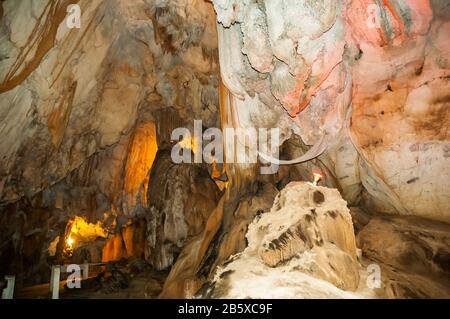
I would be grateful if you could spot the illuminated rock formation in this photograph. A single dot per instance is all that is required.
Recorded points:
(367, 79)
(77, 113)
(371, 77)
(308, 232)
(357, 88)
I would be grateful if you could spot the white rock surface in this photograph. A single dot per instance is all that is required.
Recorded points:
(303, 248)
(378, 93)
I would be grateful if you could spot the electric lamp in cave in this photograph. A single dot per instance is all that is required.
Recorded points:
(318, 175)
(69, 242)
(68, 250)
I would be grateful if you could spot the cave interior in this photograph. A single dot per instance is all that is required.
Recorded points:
(225, 148)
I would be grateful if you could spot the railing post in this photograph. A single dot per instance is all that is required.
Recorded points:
(54, 281)
(8, 292)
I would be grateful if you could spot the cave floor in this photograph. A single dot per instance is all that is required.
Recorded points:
(414, 257)
(143, 285)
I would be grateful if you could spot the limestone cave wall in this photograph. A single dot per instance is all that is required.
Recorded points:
(358, 88)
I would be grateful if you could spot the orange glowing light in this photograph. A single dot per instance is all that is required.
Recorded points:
(318, 175)
(139, 162)
(70, 242)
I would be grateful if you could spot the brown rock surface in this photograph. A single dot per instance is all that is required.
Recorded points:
(413, 253)
(77, 111)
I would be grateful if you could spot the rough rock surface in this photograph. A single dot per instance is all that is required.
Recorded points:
(94, 82)
(83, 113)
(226, 229)
(77, 112)
(371, 78)
(303, 248)
(413, 254)
(181, 199)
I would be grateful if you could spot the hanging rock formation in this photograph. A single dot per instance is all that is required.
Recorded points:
(356, 76)
(78, 114)
(371, 77)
